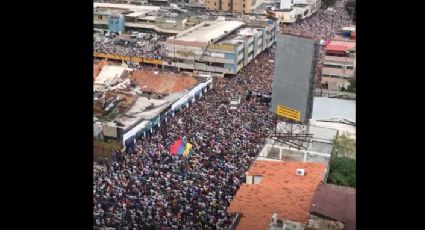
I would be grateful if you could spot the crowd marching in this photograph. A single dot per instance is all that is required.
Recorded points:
(323, 25)
(146, 187)
(151, 48)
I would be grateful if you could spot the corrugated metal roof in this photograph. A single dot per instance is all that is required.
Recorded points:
(324, 108)
(336, 202)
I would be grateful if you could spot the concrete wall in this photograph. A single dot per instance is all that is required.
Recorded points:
(240, 6)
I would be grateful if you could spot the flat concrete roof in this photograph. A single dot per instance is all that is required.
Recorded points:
(213, 31)
(316, 152)
(240, 35)
(137, 14)
(126, 6)
(137, 111)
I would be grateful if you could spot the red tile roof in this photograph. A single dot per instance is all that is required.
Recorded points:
(337, 203)
(281, 191)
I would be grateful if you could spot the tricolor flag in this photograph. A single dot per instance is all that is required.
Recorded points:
(180, 148)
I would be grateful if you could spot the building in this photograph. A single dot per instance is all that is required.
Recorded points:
(339, 63)
(318, 149)
(124, 17)
(314, 223)
(284, 188)
(221, 46)
(109, 75)
(237, 6)
(337, 114)
(130, 104)
(318, 223)
(289, 11)
(338, 203)
(340, 59)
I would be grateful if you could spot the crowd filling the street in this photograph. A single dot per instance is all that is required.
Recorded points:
(146, 187)
(148, 46)
(322, 25)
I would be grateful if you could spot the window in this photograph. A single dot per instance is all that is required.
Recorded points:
(215, 4)
(243, 6)
(228, 4)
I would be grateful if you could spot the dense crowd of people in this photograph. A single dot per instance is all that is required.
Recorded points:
(322, 25)
(147, 187)
(152, 47)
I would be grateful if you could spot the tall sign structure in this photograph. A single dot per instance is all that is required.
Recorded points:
(293, 87)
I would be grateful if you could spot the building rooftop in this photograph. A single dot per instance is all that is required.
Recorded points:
(137, 14)
(345, 45)
(161, 82)
(211, 31)
(280, 191)
(125, 6)
(240, 35)
(324, 108)
(139, 110)
(337, 71)
(318, 150)
(335, 59)
(318, 223)
(336, 203)
(108, 74)
(138, 96)
(344, 128)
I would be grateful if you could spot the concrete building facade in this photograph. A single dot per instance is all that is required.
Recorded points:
(238, 6)
(221, 46)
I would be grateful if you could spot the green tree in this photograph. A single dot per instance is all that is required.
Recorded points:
(345, 146)
(342, 171)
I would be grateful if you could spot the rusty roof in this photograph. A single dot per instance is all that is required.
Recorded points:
(162, 82)
(280, 191)
(336, 203)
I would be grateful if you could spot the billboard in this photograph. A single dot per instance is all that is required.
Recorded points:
(293, 77)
